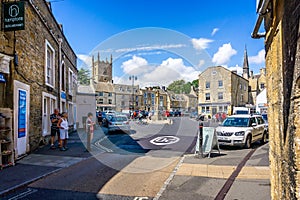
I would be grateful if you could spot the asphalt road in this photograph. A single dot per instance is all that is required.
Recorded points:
(132, 166)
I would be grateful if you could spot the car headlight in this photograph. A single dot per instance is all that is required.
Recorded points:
(241, 133)
(219, 133)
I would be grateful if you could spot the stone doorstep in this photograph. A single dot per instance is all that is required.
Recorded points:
(223, 171)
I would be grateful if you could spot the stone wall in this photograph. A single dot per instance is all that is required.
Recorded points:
(30, 48)
(283, 91)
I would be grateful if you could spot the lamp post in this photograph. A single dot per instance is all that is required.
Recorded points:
(133, 78)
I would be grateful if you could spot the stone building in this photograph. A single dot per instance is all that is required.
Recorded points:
(128, 97)
(38, 67)
(149, 99)
(103, 84)
(257, 83)
(220, 90)
(105, 96)
(282, 45)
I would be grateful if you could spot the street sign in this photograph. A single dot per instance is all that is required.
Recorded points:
(164, 140)
(210, 141)
(14, 18)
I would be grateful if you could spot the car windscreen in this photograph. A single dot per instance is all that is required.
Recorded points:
(241, 112)
(236, 122)
(119, 119)
(265, 117)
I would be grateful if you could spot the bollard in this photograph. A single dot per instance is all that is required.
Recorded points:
(88, 140)
(200, 139)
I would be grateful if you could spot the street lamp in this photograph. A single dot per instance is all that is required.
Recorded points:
(133, 78)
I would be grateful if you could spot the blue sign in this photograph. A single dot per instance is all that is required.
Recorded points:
(2, 78)
(63, 95)
(22, 114)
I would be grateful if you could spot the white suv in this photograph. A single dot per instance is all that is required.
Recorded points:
(242, 130)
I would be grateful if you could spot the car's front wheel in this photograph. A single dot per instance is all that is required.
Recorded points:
(248, 142)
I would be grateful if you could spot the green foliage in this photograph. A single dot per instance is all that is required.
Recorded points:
(180, 87)
(195, 83)
(84, 76)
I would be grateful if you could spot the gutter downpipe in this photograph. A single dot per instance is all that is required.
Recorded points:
(261, 13)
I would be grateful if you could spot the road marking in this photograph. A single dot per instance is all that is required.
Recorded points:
(97, 144)
(141, 198)
(24, 194)
(164, 140)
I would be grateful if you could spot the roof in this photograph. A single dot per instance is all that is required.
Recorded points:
(104, 87)
(85, 89)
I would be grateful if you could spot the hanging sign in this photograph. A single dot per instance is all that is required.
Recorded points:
(14, 18)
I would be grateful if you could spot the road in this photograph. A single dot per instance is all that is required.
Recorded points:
(133, 166)
(129, 165)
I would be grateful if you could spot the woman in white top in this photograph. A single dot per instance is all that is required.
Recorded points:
(63, 126)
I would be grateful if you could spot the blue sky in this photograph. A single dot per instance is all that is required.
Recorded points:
(219, 28)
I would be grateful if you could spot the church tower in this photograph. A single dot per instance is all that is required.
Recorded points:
(102, 70)
(246, 65)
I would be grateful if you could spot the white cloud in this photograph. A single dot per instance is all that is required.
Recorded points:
(215, 30)
(86, 59)
(150, 48)
(160, 75)
(224, 54)
(236, 68)
(135, 66)
(201, 63)
(259, 58)
(201, 43)
(170, 70)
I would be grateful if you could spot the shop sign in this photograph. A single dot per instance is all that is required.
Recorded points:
(14, 18)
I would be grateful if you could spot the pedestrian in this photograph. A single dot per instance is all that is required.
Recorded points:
(100, 118)
(89, 130)
(54, 118)
(63, 126)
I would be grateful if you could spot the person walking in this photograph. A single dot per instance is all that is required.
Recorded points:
(89, 130)
(63, 126)
(54, 118)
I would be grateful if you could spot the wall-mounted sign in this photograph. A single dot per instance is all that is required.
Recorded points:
(2, 78)
(63, 95)
(22, 114)
(14, 18)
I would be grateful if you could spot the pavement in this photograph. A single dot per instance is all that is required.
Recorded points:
(191, 177)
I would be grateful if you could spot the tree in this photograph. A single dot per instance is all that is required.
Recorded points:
(180, 87)
(195, 83)
(84, 76)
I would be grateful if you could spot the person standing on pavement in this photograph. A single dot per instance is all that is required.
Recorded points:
(89, 130)
(54, 118)
(63, 126)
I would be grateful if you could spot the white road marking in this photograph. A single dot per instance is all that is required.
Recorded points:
(24, 194)
(164, 140)
(140, 198)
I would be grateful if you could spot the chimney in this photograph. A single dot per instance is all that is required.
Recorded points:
(251, 74)
(49, 5)
(61, 27)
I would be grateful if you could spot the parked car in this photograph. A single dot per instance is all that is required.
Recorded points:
(118, 123)
(242, 130)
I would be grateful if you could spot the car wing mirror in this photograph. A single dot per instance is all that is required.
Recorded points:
(254, 124)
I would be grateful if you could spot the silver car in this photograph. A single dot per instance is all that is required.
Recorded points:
(118, 123)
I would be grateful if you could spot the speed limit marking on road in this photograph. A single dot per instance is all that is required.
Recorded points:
(164, 140)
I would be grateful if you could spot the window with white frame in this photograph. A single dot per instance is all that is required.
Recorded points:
(70, 78)
(49, 65)
(63, 77)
